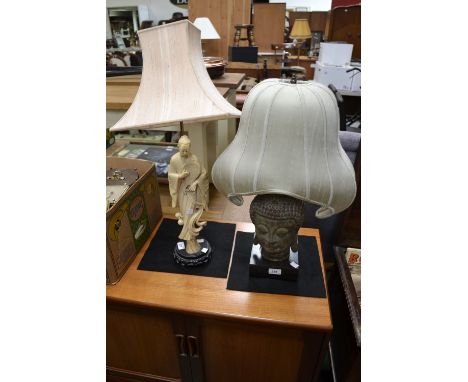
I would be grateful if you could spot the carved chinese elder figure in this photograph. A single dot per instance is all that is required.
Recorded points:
(188, 186)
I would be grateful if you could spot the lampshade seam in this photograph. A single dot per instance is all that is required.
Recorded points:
(325, 125)
(264, 138)
(305, 143)
(342, 154)
(234, 173)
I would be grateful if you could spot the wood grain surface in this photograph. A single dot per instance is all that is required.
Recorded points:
(207, 296)
(145, 344)
(236, 352)
(224, 15)
(269, 22)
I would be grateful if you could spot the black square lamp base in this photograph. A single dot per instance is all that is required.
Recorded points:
(243, 54)
(261, 267)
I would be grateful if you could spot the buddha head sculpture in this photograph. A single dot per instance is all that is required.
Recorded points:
(287, 152)
(277, 219)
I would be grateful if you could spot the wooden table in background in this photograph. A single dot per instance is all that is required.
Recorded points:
(254, 70)
(121, 96)
(228, 80)
(174, 327)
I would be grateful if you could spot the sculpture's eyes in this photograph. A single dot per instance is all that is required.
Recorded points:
(282, 232)
(262, 229)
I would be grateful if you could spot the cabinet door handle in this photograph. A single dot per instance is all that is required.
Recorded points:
(182, 350)
(193, 346)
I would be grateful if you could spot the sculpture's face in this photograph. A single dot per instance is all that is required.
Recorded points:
(184, 149)
(275, 237)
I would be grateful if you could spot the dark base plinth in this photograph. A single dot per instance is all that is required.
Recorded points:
(190, 260)
(260, 267)
(243, 54)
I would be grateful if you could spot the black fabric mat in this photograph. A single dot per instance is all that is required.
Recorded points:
(309, 282)
(159, 256)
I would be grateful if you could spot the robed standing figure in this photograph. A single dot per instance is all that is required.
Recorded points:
(188, 186)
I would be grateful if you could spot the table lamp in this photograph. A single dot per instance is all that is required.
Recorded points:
(208, 31)
(286, 152)
(300, 32)
(175, 89)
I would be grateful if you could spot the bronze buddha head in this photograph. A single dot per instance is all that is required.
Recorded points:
(277, 219)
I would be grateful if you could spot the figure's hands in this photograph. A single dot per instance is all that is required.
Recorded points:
(193, 186)
(184, 174)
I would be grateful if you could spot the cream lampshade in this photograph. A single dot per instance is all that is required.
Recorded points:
(288, 144)
(175, 86)
(300, 32)
(208, 31)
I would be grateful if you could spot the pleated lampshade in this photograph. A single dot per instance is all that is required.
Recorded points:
(301, 30)
(288, 143)
(175, 86)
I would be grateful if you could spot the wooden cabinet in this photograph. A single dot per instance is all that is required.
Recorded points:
(224, 15)
(345, 25)
(269, 22)
(236, 351)
(172, 327)
(140, 342)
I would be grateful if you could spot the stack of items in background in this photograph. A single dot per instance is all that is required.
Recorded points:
(334, 67)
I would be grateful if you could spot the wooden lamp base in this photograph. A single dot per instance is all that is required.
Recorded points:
(182, 257)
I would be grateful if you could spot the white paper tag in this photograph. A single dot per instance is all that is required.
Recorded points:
(204, 250)
(181, 245)
(293, 264)
(189, 212)
(200, 240)
(170, 149)
(274, 271)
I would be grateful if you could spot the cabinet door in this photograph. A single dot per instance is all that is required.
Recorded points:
(346, 26)
(233, 351)
(141, 342)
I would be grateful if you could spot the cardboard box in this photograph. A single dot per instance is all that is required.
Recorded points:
(131, 220)
(334, 53)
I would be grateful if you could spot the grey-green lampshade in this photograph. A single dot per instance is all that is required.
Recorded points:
(288, 143)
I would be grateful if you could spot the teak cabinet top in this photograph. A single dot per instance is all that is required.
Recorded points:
(208, 296)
